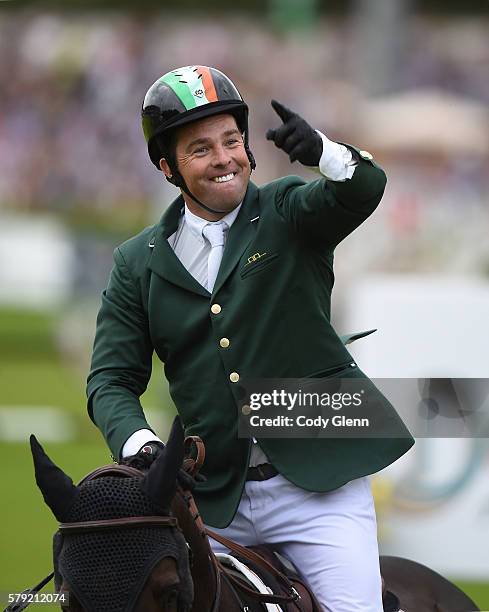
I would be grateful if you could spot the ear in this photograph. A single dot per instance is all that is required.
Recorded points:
(56, 487)
(161, 480)
(165, 167)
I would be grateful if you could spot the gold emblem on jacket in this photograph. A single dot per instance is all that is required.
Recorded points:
(255, 257)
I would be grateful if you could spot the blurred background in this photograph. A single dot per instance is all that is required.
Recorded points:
(406, 80)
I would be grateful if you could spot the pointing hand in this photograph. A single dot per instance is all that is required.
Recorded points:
(296, 137)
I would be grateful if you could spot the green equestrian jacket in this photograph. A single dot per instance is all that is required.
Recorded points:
(271, 301)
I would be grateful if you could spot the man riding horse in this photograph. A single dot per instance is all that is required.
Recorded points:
(235, 282)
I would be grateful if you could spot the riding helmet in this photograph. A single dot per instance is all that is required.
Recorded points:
(185, 95)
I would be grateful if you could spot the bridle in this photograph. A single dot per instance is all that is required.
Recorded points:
(115, 470)
(108, 524)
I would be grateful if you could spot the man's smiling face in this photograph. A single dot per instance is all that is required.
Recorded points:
(212, 160)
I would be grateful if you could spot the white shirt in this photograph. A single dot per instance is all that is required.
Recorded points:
(192, 249)
(190, 246)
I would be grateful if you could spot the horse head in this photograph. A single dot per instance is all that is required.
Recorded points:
(118, 548)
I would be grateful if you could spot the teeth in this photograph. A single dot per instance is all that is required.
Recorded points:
(223, 179)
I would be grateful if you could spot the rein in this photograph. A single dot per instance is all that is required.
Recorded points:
(192, 466)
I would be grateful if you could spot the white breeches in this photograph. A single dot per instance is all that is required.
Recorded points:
(331, 538)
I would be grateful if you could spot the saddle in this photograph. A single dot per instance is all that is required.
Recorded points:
(282, 579)
(287, 589)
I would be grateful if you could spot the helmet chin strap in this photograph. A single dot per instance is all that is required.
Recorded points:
(184, 188)
(178, 180)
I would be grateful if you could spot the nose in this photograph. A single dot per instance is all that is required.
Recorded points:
(221, 156)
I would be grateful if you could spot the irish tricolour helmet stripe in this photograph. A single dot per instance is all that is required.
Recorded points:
(193, 85)
(185, 95)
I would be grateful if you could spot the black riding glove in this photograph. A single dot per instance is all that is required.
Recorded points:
(296, 137)
(145, 456)
(143, 459)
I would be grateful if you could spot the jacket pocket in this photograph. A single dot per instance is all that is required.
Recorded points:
(257, 265)
(334, 371)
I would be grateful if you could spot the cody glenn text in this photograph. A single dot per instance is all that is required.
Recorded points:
(337, 420)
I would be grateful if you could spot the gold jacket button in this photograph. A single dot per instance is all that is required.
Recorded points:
(234, 377)
(366, 155)
(246, 409)
(224, 342)
(216, 308)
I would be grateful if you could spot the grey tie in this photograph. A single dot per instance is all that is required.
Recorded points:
(214, 233)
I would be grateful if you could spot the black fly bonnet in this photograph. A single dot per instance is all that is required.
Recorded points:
(114, 528)
(107, 568)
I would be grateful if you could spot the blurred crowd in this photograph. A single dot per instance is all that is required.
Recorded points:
(72, 87)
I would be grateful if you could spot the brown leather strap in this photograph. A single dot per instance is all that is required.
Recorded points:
(293, 598)
(245, 552)
(132, 521)
(112, 470)
(309, 601)
(261, 562)
(190, 465)
(189, 501)
(194, 511)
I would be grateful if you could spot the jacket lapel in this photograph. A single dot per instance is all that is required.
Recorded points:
(163, 260)
(240, 235)
(166, 264)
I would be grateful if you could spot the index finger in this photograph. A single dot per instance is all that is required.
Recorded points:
(282, 111)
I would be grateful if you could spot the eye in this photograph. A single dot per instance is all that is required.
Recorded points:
(200, 151)
(170, 598)
(232, 142)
